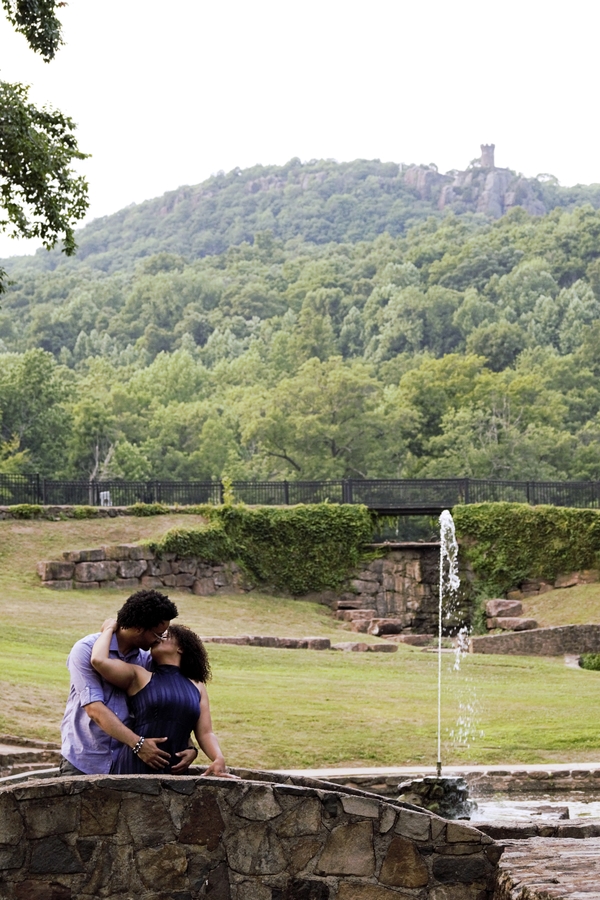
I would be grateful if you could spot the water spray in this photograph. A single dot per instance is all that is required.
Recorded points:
(449, 585)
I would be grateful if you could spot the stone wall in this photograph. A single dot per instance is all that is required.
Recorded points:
(308, 643)
(129, 566)
(396, 594)
(556, 641)
(493, 781)
(164, 837)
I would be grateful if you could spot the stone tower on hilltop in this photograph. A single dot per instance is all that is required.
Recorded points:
(487, 156)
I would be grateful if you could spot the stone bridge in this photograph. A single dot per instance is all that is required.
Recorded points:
(265, 837)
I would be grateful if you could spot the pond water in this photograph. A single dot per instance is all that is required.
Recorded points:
(573, 805)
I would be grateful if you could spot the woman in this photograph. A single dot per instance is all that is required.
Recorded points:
(165, 700)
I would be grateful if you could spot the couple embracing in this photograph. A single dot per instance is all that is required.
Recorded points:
(138, 691)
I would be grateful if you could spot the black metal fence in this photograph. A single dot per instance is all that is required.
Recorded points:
(382, 494)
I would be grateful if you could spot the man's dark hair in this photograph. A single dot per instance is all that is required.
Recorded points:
(146, 609)
(194, 659)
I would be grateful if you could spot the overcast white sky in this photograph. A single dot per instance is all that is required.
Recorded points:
(166, 93)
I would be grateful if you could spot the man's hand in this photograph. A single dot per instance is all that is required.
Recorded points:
(187, 757)
(218, 769)
(109, 623)
(152, 755)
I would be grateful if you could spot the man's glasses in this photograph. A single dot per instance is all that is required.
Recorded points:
(159, 637)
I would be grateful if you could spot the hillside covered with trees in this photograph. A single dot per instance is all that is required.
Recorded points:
(386, 337)
(319, 202)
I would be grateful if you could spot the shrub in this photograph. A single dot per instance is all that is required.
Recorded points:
(590, 661)
(148, 509)
(210, 544)
(85, 512)
(298, 549)
(26, 511)
(507, 543)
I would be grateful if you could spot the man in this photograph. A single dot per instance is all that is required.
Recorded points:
(95, 720)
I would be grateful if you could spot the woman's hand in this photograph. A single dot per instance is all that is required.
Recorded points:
(187, 757)
(218, 769)
(109, 624)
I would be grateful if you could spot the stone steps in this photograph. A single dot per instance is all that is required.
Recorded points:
(549, 869)
(19, 755)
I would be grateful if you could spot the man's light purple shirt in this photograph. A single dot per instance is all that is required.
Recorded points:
(84, 743)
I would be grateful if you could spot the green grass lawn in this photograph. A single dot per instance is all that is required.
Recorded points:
(577, 605)
(278, 708)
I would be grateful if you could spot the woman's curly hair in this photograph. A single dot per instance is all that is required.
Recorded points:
(194, 659)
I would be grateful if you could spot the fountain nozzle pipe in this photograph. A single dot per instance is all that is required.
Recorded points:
(438, 769)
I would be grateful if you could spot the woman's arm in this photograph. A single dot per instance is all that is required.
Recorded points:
(207, 739)
(123, 675)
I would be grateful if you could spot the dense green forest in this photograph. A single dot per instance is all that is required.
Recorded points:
(317, 202)
(365, 347)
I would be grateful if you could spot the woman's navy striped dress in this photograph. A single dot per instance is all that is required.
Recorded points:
(169, 706)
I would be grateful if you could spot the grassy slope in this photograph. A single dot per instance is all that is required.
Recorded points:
(568, 606)
(274, 708)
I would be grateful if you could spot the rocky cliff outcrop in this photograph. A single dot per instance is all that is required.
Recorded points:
(482, 188)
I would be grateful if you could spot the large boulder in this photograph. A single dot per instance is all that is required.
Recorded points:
(500, 607)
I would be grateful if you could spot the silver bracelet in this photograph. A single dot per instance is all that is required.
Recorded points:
(137, 747)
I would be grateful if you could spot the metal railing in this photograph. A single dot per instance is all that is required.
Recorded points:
(380, 494)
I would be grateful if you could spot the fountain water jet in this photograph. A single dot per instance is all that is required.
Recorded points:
(447, 796)
(449, 585)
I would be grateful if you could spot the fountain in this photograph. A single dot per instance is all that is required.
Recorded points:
(447, 796)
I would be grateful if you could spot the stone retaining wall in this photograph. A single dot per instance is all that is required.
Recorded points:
(574, 829)
(308, 643)
(130, 567)
(491, 782)
(556, 641)
(400, 592)
(396, 594)
(269, 838)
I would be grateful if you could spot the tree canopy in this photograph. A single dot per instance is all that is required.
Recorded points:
(38, 22)
(464, 347)
(41, 196)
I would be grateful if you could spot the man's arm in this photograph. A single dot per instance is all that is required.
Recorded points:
(88, 685)
(149, 752)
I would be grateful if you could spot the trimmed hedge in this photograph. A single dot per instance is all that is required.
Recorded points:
(27, 511)
(508, 543)
(297, 549)
(57, 512)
